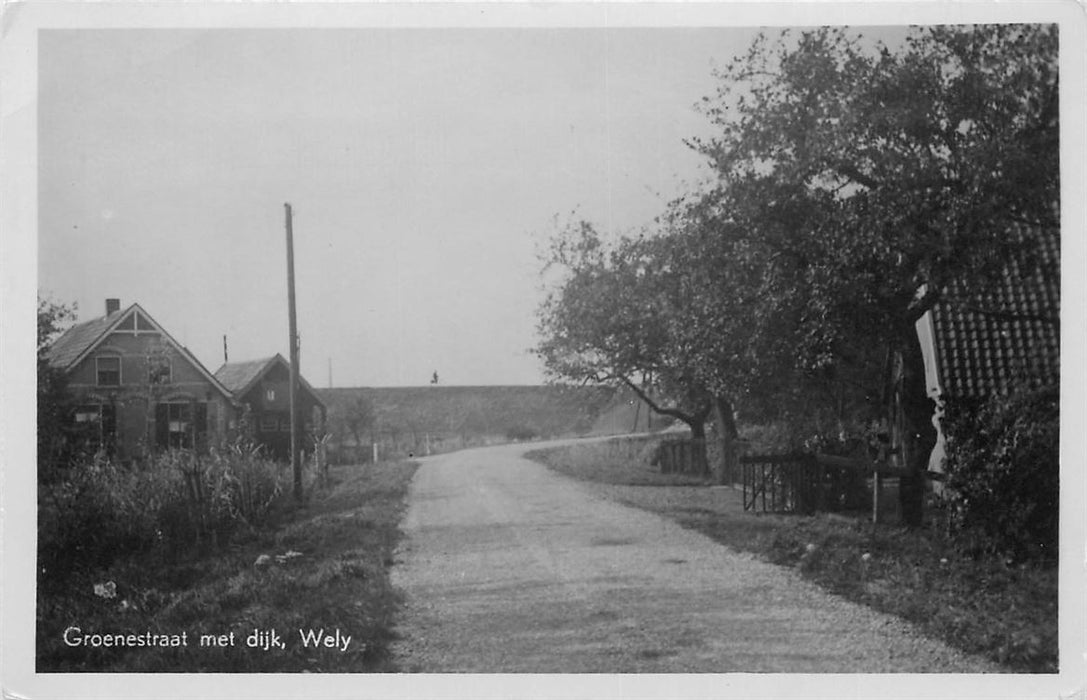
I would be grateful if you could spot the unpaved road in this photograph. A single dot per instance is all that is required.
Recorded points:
(509, 567)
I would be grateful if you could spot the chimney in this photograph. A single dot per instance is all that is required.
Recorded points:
(112, 306)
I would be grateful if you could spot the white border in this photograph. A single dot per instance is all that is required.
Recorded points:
(18, 264)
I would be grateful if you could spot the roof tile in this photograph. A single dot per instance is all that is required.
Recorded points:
(989, 342)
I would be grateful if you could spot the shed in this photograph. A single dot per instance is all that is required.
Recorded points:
(261, 387)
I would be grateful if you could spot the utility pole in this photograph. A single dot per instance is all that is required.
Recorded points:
(292, 390)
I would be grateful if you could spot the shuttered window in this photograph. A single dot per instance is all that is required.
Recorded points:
(108, 370)
(181, 424)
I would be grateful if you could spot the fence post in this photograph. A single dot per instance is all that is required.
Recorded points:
(877, 486)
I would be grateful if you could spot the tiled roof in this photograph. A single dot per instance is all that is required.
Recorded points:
(237, 376)
(1007, 336)
(75, 341)
(82, 337)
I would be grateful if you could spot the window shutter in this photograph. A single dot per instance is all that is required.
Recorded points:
(200, 426)
(162, 426)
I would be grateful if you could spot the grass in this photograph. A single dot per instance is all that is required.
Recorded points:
(345, 534)
(985, 606)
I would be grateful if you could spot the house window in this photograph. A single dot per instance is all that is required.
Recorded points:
(268, 424)
(158, 371)
(108, 371)
(269, 394)
(285, 424)
(96, 426)
(181, 424)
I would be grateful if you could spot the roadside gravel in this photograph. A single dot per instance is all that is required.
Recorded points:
(508, 567)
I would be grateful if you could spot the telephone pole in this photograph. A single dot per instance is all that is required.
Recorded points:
(292, 390)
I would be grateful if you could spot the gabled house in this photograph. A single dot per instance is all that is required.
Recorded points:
(1000, 340)
(261, 388)
(136, 389)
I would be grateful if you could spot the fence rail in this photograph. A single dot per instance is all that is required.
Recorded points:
(787, 483)
(805, 483)
(683, 456)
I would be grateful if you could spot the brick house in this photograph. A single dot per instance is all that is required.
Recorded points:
(261, 389)
(136, 389)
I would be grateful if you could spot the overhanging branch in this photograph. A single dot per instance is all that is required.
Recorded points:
(688, 418)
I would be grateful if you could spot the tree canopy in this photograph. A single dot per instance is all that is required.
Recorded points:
(899, 172)
(612, 319)
(856, 186)
(53, 318)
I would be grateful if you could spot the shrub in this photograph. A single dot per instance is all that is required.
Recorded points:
(1003, 473)
(97, 511)
(520, 433)
(101, 511)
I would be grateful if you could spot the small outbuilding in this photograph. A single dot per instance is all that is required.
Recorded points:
(261, 387)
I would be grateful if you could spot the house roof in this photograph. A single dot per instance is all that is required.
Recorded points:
(1007, 336)
(80, 340)
(240, 377)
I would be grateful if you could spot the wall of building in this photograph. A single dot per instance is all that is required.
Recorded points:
(269, 406)
(135, 397)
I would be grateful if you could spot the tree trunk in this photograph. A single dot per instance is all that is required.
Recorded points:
(699, 462)
(726, 437)
(916, 433)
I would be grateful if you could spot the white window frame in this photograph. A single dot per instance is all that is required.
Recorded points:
(98, 370)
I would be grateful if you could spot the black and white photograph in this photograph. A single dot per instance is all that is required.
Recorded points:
(542, 350)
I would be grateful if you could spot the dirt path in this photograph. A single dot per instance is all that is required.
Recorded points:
(508, 567)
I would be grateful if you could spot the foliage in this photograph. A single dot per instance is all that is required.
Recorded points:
(342, 545)
(895, 172)
(1003, 465)
(54, 451)
(100, 511)
(855, 184)
(873, 178)
(519, 433)
(611, 319)
(360, 416)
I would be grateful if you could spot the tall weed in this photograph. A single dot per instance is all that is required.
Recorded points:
(102, 511)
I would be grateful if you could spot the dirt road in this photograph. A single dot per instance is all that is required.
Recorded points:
(508, 567)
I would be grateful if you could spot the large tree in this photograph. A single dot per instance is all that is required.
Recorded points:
(611, 319)
(53, 397)
(900, 172)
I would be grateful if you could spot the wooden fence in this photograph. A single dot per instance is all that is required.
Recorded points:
(683, 456)
(805, 483)
(787, 483)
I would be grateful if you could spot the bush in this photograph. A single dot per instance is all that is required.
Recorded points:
(1003, 473)
(101, 511)
(520, 433)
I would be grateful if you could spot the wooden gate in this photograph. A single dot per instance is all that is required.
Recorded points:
(786, 483)
(806, 483)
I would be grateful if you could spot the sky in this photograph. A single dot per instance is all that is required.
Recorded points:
(425, 168)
